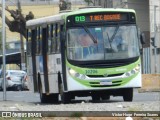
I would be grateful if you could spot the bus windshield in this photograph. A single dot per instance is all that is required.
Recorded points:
(102, 43)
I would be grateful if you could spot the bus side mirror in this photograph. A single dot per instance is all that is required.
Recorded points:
(142, 38)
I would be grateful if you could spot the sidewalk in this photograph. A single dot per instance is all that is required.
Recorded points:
(150, 83)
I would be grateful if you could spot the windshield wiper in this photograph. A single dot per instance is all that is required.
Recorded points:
(114, 34)
(89, 33)
(109, 42)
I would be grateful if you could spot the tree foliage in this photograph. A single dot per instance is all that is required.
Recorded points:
(18, 24)
(88, 2)
(63, 5)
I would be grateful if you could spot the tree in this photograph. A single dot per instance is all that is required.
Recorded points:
(63, 5)
(19, 22)
(88, 2)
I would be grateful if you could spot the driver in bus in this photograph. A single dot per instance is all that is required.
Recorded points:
(86, 42)
(117, 43)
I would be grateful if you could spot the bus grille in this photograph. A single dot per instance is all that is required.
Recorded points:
(101, 76)
(114, 84)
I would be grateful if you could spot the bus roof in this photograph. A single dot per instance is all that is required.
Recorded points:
(61, 16)
(88, 10)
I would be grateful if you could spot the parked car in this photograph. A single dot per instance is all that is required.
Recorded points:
(25, 82)
(1, 81)
(15, 79)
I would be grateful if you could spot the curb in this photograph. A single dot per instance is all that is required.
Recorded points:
(150, 83)
(148, 90)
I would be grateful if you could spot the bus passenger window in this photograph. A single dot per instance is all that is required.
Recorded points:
(49, 37)
(40, 40)
(29, 42)
(58, 38)
(37, 42)
(29, 47)
(53, 40)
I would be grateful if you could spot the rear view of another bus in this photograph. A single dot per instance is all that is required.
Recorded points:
(102, 54)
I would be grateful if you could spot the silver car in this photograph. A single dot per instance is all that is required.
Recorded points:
(15, 79)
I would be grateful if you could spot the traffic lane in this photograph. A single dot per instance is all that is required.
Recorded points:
(21, 96)
(137, 97)
(28, 96)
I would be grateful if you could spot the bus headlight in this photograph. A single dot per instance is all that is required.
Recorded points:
(75, 74)
(134, 71)
(72, 72)
(83, 77)
(137, 68)
(127, 74)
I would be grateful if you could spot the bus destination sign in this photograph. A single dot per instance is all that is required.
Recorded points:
(101, 17)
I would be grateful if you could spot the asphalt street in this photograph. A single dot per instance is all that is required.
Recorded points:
(28, 96)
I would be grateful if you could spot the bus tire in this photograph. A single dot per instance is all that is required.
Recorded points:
(53, 98)
(128, 94)
(95, 97)
(65, 98)
(105, 97)
(43, 97)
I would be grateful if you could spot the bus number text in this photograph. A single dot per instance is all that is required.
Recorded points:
(80, 18)
(91, 71)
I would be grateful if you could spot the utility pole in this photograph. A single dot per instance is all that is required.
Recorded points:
(155, 42)
(23, 67)
(4, 49)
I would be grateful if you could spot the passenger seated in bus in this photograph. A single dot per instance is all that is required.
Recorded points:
(118, 42)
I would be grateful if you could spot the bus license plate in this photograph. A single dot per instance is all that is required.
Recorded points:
(105, 83)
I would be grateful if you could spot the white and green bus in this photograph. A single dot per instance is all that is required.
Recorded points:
(86, 52)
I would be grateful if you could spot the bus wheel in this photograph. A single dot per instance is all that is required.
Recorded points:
(95, 97)
(128, 94)
(105, 97)
(53, 98)
(65, 98)
(43, 98)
